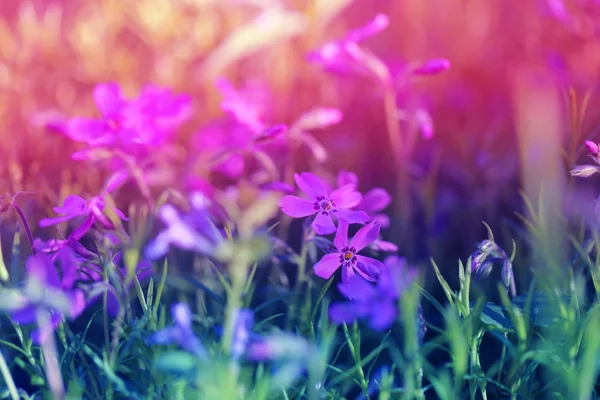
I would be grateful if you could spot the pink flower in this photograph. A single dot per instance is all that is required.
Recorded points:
(347, 256)
(322, 203)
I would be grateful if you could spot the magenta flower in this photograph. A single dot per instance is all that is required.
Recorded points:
(77, 207)
(224, 145)
(132, 126)
(322, 203)
(373, 202)
(347, 255)
(346, 56)
(592, 147)
(378, 304)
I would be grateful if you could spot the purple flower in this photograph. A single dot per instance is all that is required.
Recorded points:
(193, 231)
(347, 256)
(378, 304)
(373, 202)
(323, 203)
(45, 291)
(77, 207)
(483, 259)
(346, 56)
(181, 333)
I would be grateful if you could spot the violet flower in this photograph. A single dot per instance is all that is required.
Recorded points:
(483, 259)
(181, 333)
(193, 231)
(373, 202)
(378, 304)
(91, 210)
(324, 204)
(347, 257)
(45, 291)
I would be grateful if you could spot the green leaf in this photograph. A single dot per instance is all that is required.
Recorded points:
(496, 317)
(449, 293)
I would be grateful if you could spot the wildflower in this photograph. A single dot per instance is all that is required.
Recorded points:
(147, 119)
(346, 56)
(323, 203)
(193, 231)
(223, 145)
(482, 260)
(346, 254)
(181, 333)
(375, 303)
(77, 207)
(46, 292)
(374, 201)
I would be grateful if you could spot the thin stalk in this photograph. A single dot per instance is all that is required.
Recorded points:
(12, 388)
(401, 157)
(24, 223)
(50, 353)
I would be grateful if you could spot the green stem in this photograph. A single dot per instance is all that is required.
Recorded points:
(51, 364)
(299, 281)
(12, 388)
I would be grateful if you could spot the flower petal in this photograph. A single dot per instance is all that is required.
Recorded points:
(310, 184)
(356, 288)
(353, 217)
(341, 236)
(347, 177)
(108, 98)
(375, 200)
(383, 315)
(346, 197)
(369, 268)
(323, 224)
(72, 205)
(365, 236)
(296, 207)
(327, 265)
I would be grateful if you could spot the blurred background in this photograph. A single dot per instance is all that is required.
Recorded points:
(509, 117)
